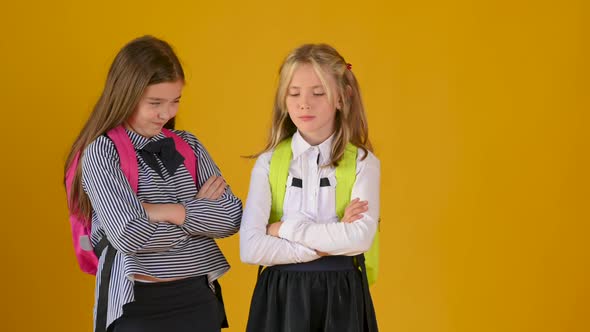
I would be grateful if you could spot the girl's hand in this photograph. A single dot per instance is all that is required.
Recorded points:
(273, 229)
(321, 253)
(213, 188)
(170, 213)
(354, 210)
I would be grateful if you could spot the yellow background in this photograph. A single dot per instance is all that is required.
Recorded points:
(478, 111)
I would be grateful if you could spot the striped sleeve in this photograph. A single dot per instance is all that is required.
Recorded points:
(211, 218)
(117, 207)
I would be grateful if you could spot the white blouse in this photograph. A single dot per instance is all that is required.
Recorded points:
(309, 211)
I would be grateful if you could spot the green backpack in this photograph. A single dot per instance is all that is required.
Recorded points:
(345, 176)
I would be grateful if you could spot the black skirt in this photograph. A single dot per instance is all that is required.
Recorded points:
(186, 305)
(327, 295)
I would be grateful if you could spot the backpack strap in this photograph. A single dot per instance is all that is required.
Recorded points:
(345, 178)
(127, 156)
(102, 305)
(71, 173)
(278, 174)
(346, 175)
(190, 160)
(79, 225)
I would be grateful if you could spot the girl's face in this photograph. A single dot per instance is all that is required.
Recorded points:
(158, 104)
(308, 105)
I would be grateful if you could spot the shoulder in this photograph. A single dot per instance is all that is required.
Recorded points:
(263, 161)
(100, 149)
(186, 135)
(190, 138)
(369, 162)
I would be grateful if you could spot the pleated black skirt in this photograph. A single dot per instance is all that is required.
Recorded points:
(326, 295)
(187, 305)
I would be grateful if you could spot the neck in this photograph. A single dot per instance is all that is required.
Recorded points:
(129, 127)
(314, 140)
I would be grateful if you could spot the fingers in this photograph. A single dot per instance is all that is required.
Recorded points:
(358, 207)
(354, 210)
(354, 201)
(205, 188)
(352, 219)
(213, 188)
(220, 188)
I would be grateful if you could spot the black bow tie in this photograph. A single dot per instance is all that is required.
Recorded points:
(165, 150)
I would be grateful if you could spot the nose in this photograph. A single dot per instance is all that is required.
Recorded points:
(163, 115)
(166, 113)
(304, 106)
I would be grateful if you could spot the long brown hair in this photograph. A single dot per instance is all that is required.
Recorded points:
(351, 121)
(142, 62)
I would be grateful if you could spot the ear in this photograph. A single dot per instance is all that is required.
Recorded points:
(347, 93)
(348, 90)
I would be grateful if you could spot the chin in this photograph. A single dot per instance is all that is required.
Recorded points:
(309, 130)
(306, 126)
(152, 133)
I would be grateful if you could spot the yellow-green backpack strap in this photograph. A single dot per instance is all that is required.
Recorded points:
(345, 177)
(277, 176)
(372, 259)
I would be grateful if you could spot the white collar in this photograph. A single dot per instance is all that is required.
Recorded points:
(300, 146)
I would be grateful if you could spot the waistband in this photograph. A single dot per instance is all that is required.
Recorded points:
(326, 263)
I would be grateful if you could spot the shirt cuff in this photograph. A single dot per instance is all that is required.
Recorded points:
(186, 216)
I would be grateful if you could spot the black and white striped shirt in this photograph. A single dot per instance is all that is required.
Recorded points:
(160, 250)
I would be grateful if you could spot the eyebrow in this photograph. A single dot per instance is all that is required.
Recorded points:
(160, 99)
(313, 87)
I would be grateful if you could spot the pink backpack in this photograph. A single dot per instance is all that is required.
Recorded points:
(87, 259)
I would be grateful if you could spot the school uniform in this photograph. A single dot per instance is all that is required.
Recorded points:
(298, 290)
(160, 250)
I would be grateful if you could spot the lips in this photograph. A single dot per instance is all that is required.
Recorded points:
(306, 118)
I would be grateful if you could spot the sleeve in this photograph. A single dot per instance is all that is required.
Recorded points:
(338, 238)
(256, 247)
(212, 218)
(118, 208)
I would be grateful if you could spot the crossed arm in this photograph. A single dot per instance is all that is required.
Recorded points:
(296, 239)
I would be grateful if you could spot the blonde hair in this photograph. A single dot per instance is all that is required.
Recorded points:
(351, 121)
(142, 62)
